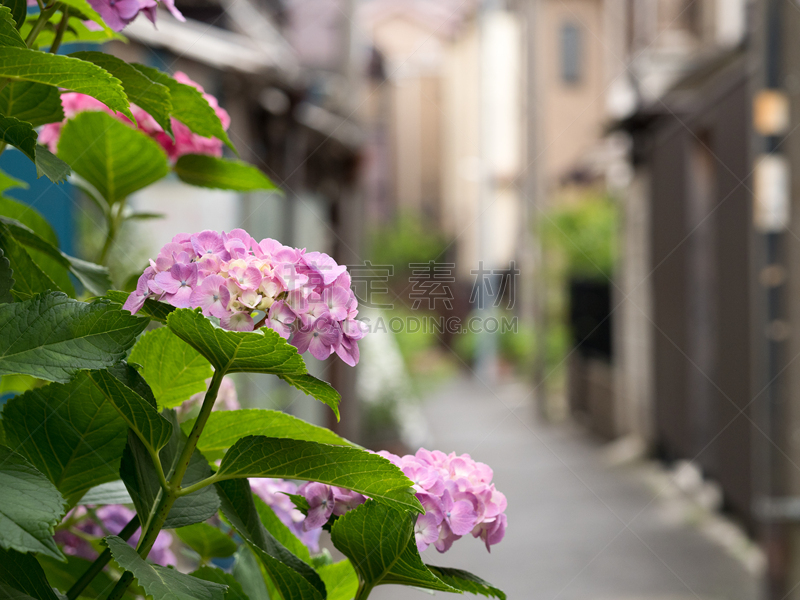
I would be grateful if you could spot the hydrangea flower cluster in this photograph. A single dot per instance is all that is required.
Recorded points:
(273, 493)
(184, 142)
(75, 538)
(457, 493)
(304, 296)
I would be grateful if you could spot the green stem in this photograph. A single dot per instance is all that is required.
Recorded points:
(44, 17)
(101, 561)
(364, 590)
(199, 485)
(114, 222)
(62, 28)
(159, 469)
(166, 497)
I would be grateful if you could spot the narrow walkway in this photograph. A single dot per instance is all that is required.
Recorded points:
(577, 529)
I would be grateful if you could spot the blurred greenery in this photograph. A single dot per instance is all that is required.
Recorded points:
(406, 240)
(583, 233)
(579, 241)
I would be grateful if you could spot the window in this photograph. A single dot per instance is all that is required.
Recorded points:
(571, 53)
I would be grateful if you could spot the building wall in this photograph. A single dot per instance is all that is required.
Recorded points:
(573, 113)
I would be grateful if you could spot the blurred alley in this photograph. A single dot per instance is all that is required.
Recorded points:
(580, 529)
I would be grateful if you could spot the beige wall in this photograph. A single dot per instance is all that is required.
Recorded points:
(572, 113)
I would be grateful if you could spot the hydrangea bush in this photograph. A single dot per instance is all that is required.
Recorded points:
(124, 451)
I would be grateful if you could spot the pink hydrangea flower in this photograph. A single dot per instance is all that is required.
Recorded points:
(184, 142)
(456, 492)
(114, 518)
(118, 13)
(274, 493)
(248, 284)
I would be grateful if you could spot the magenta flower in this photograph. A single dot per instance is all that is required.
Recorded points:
(426, 531)
(324, 266)
(337, 300)
(247, 277)
(281, 318)
(177, 284)
(246, 284)
(114, 517)
(208, 242)
(117, 13)
(136, 300)
(238, 321)
(320, 504)
(460, 515)
(212, 296)
(321, 338)
(273, 492)
(492, 532)
(348, 351)
(346, 500)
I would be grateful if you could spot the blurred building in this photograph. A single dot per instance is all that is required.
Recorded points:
(446, 108)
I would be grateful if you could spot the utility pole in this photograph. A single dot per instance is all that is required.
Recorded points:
(778, 497)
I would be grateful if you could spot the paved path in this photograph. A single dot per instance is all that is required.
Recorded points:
(577, 529)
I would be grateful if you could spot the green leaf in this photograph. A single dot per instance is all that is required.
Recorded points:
(94, 277)
(52, 266)
(212, 172)
(152, 97)
(466, 582)
(70, 432)
(379, 541)
(247, 571)
(144, 216)
(9, 593)
(351, 468)
(85, 9)
(53, 337)
(7, 182)
(28, 216)
(64, 72)
(340, 579)
(62, 575)
(316, 388)
(76, 31)
(29, 278)
(294, 579)
(174, 370)
(262, 351)
(142, 417)
(49, 165)
(19, 10)
(17, 384)
(280, 531)
(9, 36)
(143, 483)
(113, 492)
(112, 156)
(234, 592)
(22, 573)
(209, 542)
(19, 134)
(6, 279)
(152, 309)
(225, 427)
(189, 106)
(30, 507)
(36, 103)
(162, 583)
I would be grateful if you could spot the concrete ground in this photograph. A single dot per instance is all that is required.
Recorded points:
(578, 530)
